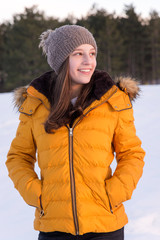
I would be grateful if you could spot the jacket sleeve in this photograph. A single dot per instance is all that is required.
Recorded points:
(20, 163)
(129, 156)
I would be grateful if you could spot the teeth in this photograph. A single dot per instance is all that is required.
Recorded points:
(85, 70)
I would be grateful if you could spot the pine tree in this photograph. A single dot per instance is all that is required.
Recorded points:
(22, 59)
(154, 30)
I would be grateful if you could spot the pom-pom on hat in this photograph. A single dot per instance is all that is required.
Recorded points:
(58, 44)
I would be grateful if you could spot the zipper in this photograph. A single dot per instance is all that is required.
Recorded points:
(72, 178)
(110, 206)
(41, 210)
(41, 213)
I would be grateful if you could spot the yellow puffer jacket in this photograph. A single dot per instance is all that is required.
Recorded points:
(77, 192)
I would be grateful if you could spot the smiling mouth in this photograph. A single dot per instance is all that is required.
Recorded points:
(84, 70)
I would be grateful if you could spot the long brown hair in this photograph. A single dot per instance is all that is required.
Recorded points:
(62, 112)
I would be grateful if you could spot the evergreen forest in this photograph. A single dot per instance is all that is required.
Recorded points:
(127, 45)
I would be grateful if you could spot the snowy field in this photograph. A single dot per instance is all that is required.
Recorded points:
(16, 217)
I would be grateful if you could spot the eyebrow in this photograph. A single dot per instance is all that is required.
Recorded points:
(80, 49)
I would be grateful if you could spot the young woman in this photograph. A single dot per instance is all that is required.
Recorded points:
(73, 119)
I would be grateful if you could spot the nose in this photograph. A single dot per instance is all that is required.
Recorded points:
(86, 59)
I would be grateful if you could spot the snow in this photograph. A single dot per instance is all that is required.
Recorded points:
(143, 210)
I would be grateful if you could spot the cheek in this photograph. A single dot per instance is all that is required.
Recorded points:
(95, 63)
(70, 70)
(72, 67)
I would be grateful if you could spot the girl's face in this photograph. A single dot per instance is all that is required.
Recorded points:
(82, 63)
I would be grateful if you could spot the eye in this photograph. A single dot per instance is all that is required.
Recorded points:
(92, 54)
(78, 53)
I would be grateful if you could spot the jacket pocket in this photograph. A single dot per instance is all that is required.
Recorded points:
(110, 205)
(44, 201)
(41, 207)
(99, 194)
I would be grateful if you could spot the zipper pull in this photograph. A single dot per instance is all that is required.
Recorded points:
(71, 131)
(41, 213)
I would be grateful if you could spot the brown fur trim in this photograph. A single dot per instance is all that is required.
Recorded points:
(128, 85)
(19, 96)
(101, 84)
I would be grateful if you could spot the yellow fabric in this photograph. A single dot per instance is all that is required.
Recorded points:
(107, 127)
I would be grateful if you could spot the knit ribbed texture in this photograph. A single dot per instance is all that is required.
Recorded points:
(58, 44)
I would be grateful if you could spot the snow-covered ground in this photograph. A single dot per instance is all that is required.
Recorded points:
(16, 217)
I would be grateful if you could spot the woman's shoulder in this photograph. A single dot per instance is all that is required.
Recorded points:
(24, 102)
(127, 92)
(128, 85)
(28, 98)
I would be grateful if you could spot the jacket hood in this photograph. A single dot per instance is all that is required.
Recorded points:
(102, 82)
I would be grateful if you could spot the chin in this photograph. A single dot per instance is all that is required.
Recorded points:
(85, 81)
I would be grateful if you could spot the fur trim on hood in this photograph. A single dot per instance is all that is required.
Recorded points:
(128, 85)
(102, 83)
(19, 96)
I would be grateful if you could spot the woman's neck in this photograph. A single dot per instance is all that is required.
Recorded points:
(76, 89)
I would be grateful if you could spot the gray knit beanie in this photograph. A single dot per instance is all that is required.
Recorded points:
(59, 43)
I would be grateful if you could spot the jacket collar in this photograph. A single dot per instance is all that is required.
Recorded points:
(102, 82)
(102, 88)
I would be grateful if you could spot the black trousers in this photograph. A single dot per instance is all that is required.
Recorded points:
(116, 235)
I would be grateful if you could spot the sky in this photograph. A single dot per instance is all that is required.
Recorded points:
(61, 8)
